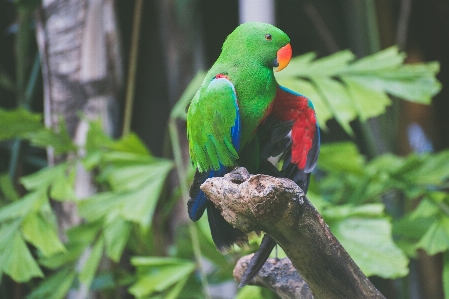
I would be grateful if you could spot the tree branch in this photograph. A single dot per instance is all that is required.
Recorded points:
(277, 275)
(278, 207)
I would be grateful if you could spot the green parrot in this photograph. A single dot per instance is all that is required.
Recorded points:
(241, 116)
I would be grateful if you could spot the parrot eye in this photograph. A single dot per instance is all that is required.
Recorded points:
(268, 36)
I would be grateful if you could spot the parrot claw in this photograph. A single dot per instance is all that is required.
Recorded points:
(238, 175)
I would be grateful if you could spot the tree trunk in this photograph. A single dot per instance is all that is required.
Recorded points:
(82, 73)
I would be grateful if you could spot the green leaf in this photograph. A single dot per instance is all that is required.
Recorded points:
(31, 202)
(62, 187)
(346, 211)
(120, 159)
(386, 163)
(330, 65)
(60, 178)
(158, 274)
(140, 205)
(420, 90)
(203, 226)
(436, 238)
(137, 205)
(60, 141)
(136, 179)
(412, 71)
(41, 234)
(386, 59)
(368, 102)
(69, 256)
(369, 242)
(179, 110)
(250, 292)
(153, 261)
(79, 238)
(100, 204)
(17, 261)
(90, 268)
(297, 67)
(408, 230)
(18, 123)
(55, 286)
(433, 171)
(412, 228)
(425, 209)
(7, 188)
(91, 160)
(144, 286)
(97, 139)
(170, 275)
(176, 290)
(341, 157)
(7, 233)
(348, 89)
(116, 235)
(84, 233)
(43, 178)
(338, 100)
(134, 175)
(131, 144)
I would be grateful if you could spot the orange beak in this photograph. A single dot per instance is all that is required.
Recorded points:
(284, 55)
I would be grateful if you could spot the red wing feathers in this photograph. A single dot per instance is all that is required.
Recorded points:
(290, 106)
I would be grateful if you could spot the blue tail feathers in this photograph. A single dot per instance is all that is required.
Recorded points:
(223, 233)
(198, 201)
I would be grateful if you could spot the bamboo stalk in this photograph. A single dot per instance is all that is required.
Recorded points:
(132, 70)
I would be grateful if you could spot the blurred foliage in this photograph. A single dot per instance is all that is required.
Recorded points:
(163, 275)
(349, 196)
(119, 220)
(347, 190)
(132, 180)
(345, 89)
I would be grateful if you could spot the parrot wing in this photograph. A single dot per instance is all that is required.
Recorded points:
(290, 132)
(213, 126)
(294, 131)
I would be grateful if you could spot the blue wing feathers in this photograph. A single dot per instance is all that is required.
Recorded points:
(290, 91)
(235, 130)
(198, 202)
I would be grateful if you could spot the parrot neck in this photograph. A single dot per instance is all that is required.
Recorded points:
(255, 86)
(256, 90)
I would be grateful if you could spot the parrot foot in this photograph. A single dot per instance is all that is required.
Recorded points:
(238, 175)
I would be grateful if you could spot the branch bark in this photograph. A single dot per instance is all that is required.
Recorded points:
(277, 275)
(279, 208)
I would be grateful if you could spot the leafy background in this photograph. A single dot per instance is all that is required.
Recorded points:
(386, 209)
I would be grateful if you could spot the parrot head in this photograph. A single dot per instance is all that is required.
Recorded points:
(260, 42)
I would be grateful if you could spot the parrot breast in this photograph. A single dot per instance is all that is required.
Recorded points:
(255, 91)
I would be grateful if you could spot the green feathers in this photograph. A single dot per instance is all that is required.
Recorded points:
(253, 43)
(211, 116)
(238, 89)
